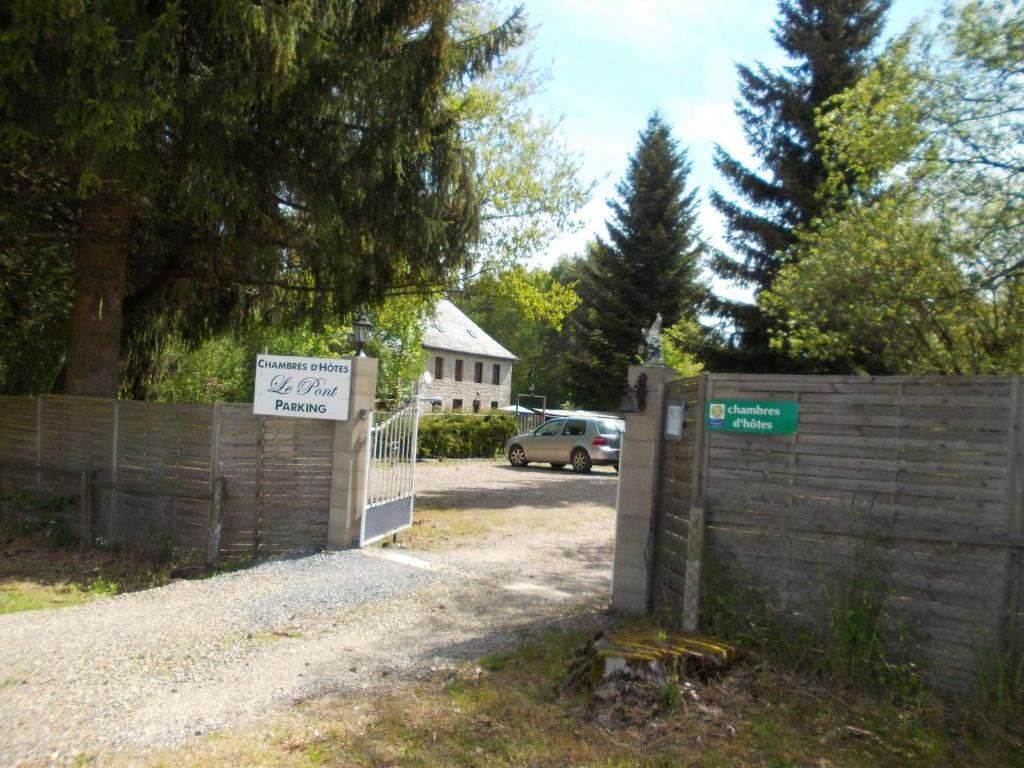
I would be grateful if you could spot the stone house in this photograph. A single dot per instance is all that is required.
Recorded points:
(470, 370)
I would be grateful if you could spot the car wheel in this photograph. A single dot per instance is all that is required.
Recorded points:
(517, 456)
(580, 460)
(557, 464)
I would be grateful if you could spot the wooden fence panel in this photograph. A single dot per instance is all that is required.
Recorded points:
(155, 466)
(166, 447)
(298, 456)
(240, 449)
(76, 433)
(18, 420)
(676, 495)
(921, 478)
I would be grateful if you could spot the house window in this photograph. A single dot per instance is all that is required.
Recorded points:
(456, 405)
(494, 405)
(438, 368)
(458, 370)
(476, 405)
(496, 374)
(478, 373)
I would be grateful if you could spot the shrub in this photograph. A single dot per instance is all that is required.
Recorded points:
(27, 513)
(458, 436)
(855, 644)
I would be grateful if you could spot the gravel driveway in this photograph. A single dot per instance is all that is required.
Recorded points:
(156, 668)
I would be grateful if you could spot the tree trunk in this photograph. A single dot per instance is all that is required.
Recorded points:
(94, 352)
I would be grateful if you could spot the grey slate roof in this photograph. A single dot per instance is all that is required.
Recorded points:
(452, 331)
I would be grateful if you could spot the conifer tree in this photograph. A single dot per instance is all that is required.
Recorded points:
(649, 264)
(191, 161)
(830, 44)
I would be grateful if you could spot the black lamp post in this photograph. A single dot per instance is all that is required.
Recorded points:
(361, 328)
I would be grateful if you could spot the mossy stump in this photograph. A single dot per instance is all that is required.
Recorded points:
(649, 657)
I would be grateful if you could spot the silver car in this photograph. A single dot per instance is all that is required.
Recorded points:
(581, 442)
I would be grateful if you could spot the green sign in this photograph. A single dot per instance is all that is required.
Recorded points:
(766, 417)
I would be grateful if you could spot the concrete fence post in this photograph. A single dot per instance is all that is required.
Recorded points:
(1013, 626)
(694, 563)
(39, 444)
(637, 493)
(349, 466)
(85, 483)
(215, 521)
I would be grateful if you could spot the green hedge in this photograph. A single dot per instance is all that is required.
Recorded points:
(458, 436)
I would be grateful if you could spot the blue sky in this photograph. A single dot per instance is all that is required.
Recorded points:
(612, 63)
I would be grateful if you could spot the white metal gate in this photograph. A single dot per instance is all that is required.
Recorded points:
(391, 473)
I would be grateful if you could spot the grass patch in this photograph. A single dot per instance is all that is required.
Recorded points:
(999, 700)
(274, 635)
(438, 529)
(505, 711)
(435, 529)
(860, 647)
(16, 596)
(40, 566)
(857, 644)
(36, 572)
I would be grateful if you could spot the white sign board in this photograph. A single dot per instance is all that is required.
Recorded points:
(304, 387)
(674, 420)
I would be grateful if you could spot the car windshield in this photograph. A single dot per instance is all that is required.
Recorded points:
(610, 427)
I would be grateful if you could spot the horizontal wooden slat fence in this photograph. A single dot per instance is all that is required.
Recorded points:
(923, 477)
(206, 482)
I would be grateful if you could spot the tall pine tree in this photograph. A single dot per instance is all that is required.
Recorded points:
(649, 264)
(189, 162)
(830, 43)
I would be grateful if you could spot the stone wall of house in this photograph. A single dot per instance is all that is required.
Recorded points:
(468, 390)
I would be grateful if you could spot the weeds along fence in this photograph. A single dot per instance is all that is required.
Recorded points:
(204, 482)
(921, 478)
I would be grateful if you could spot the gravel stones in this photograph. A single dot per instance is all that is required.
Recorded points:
(153, 669)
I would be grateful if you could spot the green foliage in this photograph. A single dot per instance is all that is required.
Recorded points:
(882, 287)
(524, 309)
(32, 343)
(748, 620)
(999, 691)
(917, 267)
(396, 342)
(528, 182)
(102, 587)
(217, 371)
(862, 646)
(856, 643)
(456, 436)
(670, 697)
(649, 265)
(222, 369)
(679, 345)
(527, 178)
(215, 162)
(828, 44)
(35, 513)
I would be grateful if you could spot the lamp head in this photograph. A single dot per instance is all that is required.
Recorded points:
(361, 328)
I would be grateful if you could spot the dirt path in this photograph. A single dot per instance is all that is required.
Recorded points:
(500, 553)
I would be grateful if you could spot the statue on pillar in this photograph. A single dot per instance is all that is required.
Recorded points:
(651, 349)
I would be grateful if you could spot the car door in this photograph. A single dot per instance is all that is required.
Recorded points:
(573, 434)
(542, 445)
